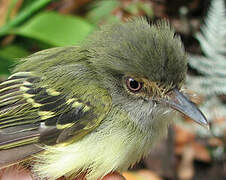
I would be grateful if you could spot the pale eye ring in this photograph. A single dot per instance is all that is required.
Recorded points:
(133, 85)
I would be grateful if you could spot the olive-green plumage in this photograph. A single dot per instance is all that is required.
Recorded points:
(96, 108)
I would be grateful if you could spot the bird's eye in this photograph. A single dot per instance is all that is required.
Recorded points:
(133, 85)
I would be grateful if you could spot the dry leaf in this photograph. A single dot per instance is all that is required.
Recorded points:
(186, 169)
(129, 176)
(141, 175)
(214, 142)
(219, 120)
(149, 175)
(183, 136)
(4, 5)
(194, 97)
(201, 152)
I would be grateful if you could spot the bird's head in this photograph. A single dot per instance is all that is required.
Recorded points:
(143, 66)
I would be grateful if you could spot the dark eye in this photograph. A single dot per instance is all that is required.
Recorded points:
(133, 85)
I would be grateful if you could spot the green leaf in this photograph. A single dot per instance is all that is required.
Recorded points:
(23, 15)
(135, 7)
(147, 9)
(55, 29)
(8, 57)
(102, 11)
(13, 51)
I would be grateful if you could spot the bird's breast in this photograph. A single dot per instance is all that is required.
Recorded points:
(115, 145)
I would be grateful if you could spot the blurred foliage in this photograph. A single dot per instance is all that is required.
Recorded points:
(55, 29)
(27, 26)
(101, 11)
(46, 27)
(211, 66)
(8, 56)
(212, 39)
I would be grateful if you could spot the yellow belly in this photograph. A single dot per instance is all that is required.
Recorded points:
(111, 147)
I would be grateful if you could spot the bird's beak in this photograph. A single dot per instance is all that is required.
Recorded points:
(180, 103)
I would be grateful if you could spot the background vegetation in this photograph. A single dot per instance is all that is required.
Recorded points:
(190, 152)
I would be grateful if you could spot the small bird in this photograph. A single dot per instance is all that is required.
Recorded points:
(97, 108)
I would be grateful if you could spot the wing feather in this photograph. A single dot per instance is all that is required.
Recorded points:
(31, 115)
(15, 155)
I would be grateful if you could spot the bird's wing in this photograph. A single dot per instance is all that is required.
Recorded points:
(32, 115)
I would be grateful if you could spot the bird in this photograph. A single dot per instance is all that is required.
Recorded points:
(96, 108)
